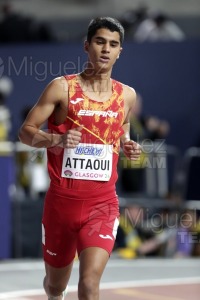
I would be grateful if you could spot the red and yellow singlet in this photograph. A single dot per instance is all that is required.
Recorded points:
(102, 125)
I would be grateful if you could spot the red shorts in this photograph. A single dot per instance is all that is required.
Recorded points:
(72, 224)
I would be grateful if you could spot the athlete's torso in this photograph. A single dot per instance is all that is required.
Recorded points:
(102, 124)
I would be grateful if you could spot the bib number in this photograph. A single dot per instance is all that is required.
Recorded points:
(88, 162)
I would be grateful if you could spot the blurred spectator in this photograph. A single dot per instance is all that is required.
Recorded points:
(145, 232)
(132, 18)
(32, 176)
(15, 28)
(144, 130)
(186, 234)
(146, 126)
(168, 233)
(158, 28)
(176, 239)
(6, 87)
(129, 235)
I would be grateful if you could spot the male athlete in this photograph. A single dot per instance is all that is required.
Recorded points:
(88, 119)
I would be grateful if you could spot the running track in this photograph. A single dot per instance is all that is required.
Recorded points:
(140, 279)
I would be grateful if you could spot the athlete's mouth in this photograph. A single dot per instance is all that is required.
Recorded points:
(104, 59)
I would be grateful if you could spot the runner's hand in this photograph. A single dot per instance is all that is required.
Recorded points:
(72, 137)
(132, 150)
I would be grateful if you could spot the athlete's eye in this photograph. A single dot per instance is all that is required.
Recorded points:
(100, 42)
(114, 45)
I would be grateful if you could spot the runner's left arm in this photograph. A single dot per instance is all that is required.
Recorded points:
(130, 148)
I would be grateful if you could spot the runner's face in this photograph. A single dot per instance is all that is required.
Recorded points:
(103, 49)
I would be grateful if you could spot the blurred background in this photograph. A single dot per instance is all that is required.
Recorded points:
(159, 195)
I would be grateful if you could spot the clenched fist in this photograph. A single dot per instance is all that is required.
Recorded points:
(132, 150)
(72, 137)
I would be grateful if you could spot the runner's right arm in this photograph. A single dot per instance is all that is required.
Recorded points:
(53, 97)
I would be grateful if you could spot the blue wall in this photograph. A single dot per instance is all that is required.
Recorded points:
(7, 178)
(167, 75)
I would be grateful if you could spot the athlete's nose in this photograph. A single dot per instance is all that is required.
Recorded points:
(106, 48)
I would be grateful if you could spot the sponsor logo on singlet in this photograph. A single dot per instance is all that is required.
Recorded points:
(77, 100)
(88, 150)
(99, 113)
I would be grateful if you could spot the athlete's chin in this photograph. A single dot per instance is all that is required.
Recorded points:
(103, 68)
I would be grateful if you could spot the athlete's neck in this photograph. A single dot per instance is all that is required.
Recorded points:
(98, 83)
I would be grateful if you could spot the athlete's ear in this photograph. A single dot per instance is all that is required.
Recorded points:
(119, 53)
(86, 46)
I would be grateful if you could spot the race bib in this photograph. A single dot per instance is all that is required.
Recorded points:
(88, 162)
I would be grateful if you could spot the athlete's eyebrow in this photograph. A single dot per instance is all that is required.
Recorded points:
(100, 38)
